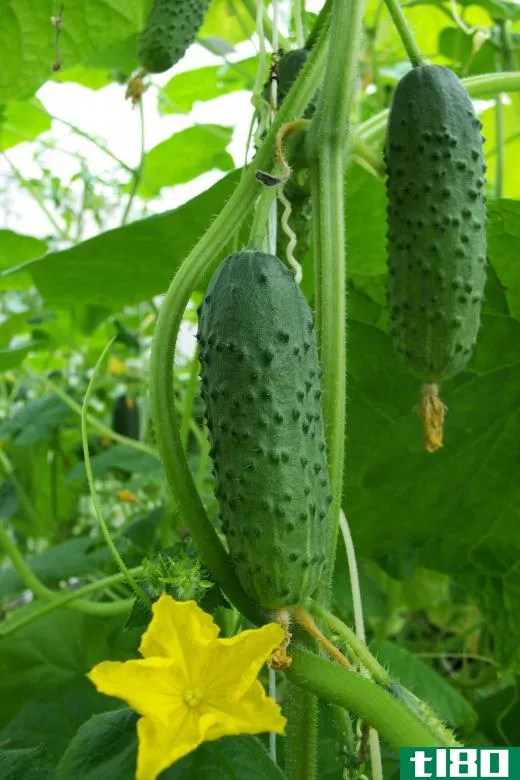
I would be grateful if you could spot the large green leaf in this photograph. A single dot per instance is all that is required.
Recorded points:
(230, 21)
(129, 264)
(105, 748)
(65, 708)
(184, 156)
(454, 511)
(22, 121)
(14, 250)
(511, 120)
(46, 654)
(504, 249)
(28, 38)
(28, 764)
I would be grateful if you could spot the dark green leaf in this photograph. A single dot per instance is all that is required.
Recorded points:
(30, 764)
(14, 250)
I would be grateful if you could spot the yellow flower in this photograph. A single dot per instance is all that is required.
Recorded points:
(191, 686)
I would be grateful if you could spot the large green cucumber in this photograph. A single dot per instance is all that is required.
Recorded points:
(171, 27)
(436, 223)
(261, 388)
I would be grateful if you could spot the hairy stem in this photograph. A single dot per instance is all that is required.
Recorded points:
(405, 32)
(327, 142)
(335, 684)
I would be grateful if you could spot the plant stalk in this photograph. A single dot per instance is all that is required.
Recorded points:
(405, 32)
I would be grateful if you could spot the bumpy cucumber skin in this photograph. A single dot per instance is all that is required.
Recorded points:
(289, 68)
(171, 27)
(261, 388)
(436, 223)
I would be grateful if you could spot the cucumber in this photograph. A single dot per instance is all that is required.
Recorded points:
(289, 67)
(436, 223)
(125, 417)
(171, 28)
(261, 389)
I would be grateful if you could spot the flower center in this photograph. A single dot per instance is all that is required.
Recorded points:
(192, 697)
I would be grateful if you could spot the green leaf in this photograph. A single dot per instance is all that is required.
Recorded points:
(14, 250)
(118, 457)
(392, 483)
(132, 263)
(511, 120)
(13, 356)
(185, 156)
(28, 38)
(429, 686)
(22, 121)
(105, 748)
(64, 709)
(48, 653)
(504, 248)
(30, 764)
(499, 716)
(230, 21)
(458, 46)
(183, 90)
(36, 420)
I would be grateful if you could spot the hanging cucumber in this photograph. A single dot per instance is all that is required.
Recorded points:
(125, 417)
(171, 28)
(436, 231)
(261, 389)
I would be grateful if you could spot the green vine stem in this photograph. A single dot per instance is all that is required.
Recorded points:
(301, 711)
(137, 173)
(250, 5)
(72, 597)
(327, 141)
(30, 579)
(320, 25)
(358, 648)
(198, 262)
(405, 32)
(189, 398)
(335, 684)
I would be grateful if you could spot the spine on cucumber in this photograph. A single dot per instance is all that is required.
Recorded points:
(261, 388)
(436, 223)
(171, 28)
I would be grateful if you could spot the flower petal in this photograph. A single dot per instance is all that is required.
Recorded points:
(152, 686)
(253, 713)
(234, 663)
(177, 630)
(161, 744)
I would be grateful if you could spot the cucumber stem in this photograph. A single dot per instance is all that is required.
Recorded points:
(405, 32)
(327, 141)
(333, 683)
(306, 621)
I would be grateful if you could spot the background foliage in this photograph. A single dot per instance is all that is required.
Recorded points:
(438, 536)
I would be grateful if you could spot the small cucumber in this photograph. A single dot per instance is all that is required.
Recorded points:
(125, 417)
(171, 27)
(261, 388)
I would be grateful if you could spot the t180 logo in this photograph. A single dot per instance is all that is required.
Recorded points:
(445, 763)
